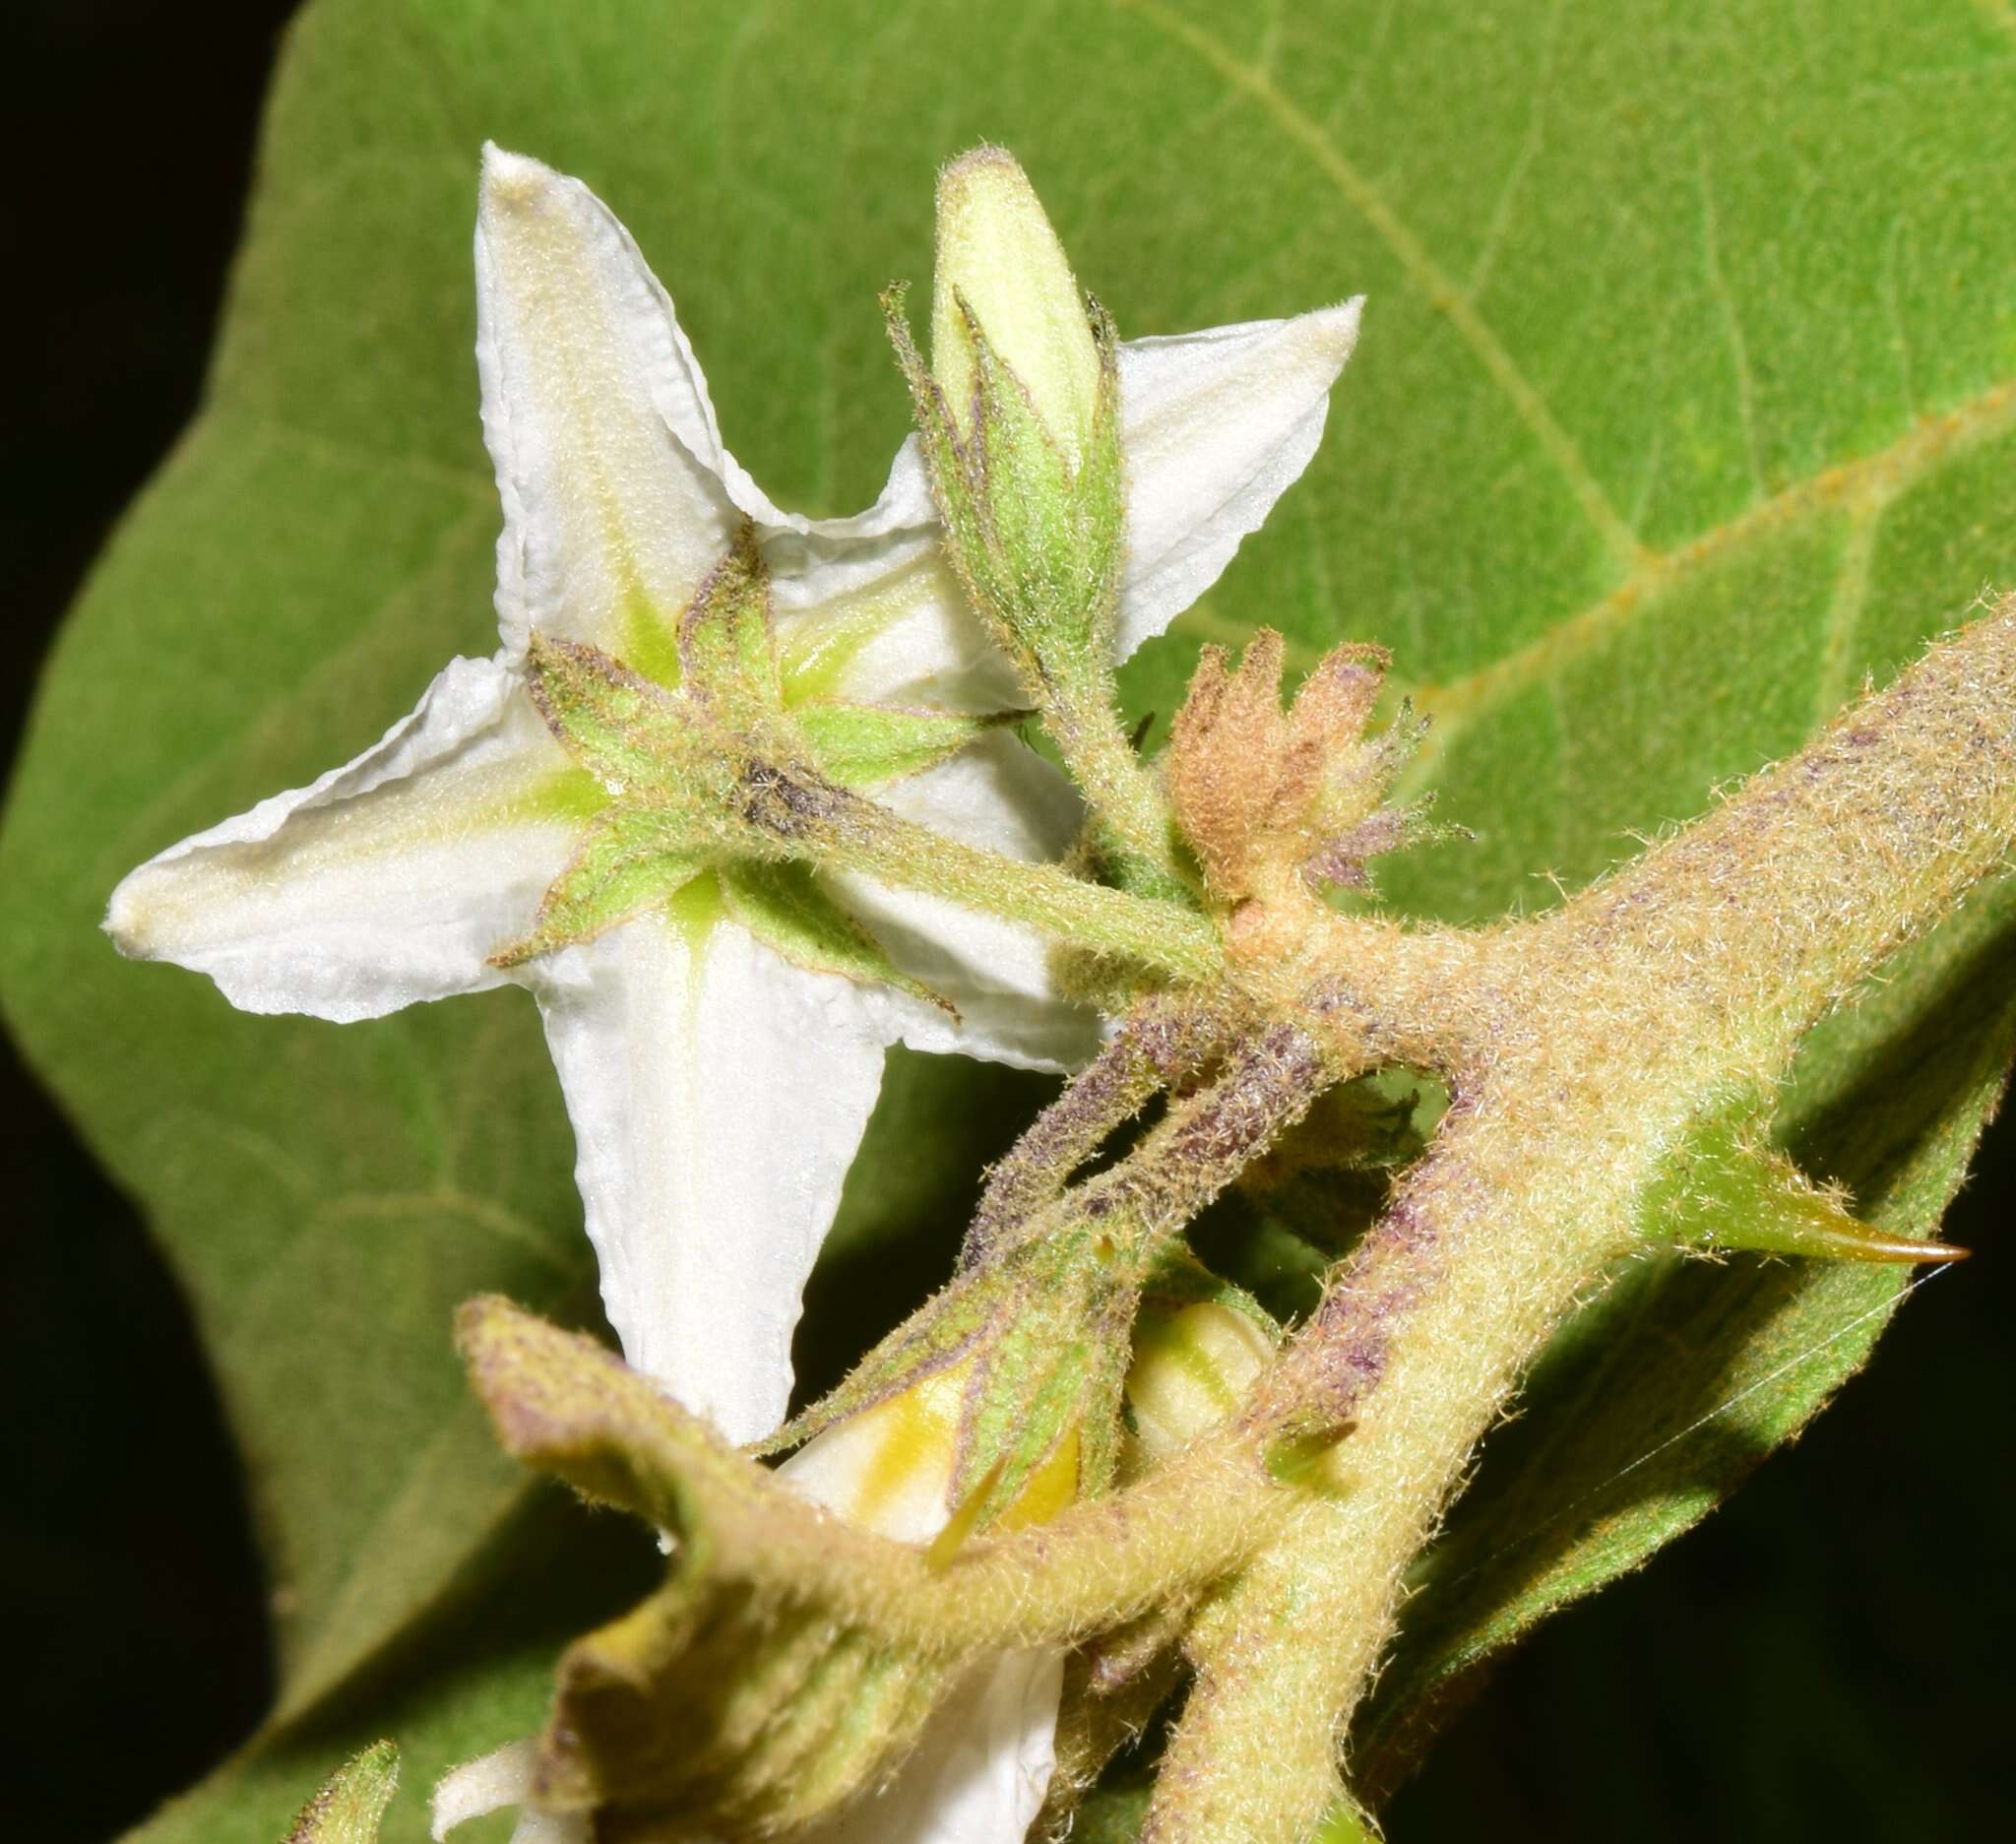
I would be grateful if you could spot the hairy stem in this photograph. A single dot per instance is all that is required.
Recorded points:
(1109, 1091)
(1131, 820)
(1269, 1079)
(1161, 1042)
(1590, 1042)
(795, 813)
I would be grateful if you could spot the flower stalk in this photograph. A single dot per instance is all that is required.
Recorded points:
(792, 815)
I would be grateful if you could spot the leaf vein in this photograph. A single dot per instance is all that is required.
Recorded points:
(1854, 487)
(1844, 611)
(1732, 325)
(1420, 267)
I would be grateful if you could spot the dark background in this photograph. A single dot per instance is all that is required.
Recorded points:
(1824, 1660)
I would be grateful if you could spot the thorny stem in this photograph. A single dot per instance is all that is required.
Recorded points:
(1589, 1042)
(791, 813)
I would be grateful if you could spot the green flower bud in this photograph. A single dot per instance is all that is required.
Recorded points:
(1192, 1368)
(1018, 413)
(1001, 269)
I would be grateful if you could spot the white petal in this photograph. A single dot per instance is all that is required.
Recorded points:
(718, 1094)
(997, 793)
(1214, 427)
(879, 593)
(678, 390)
(494, 1782)
(980, 1770)
(386, 881)
(905, 505)
(609, 462)
(889, 1468)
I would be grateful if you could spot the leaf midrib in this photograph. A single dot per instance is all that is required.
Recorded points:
(1861, 490)
(1627, 552)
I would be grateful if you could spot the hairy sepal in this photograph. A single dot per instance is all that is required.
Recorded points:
(865, 746)
(1262, 792)
(715, 774)
(1040, 1342)
(350, 1803)
(1032, 533)
(631, 858)
(785, 908)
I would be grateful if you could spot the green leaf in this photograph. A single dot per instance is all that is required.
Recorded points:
(1687, 396)
(472, 1674)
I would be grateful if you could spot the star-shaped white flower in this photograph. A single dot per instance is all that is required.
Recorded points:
(717, 1089)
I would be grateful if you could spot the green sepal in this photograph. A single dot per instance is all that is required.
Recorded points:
(1726, 1188)
(1047, 551)
(1022, 490)
(1035, 544)
(1048, 1329)
(1051, 1372)
(939, 1334)
(352, 1802)
(1177, 1278)
(1102, 494)
(727, 646)
(862, 745)
(955, 488)
(631, 858)
(634, 736)
(784, 906)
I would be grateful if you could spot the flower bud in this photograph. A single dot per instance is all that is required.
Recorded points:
(1262, 792)
(1000, 269)
(1018, 413)
(1192, 1368)
(892, 1468)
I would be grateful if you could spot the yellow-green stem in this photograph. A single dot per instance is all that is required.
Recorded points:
(1583, 1046)
(1131, 819)
(793, 814)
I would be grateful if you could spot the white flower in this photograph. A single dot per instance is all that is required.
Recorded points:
(718, 1089)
